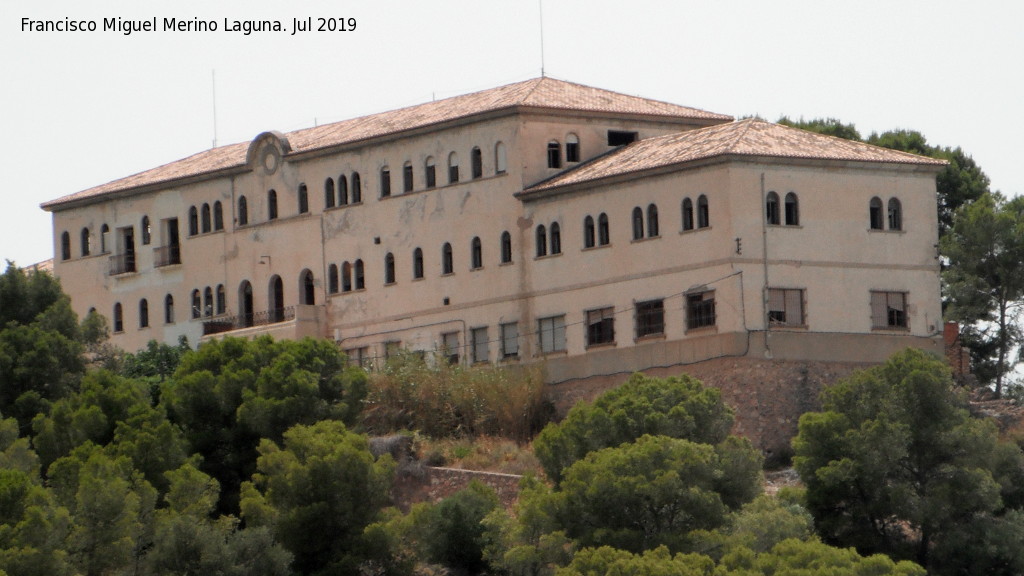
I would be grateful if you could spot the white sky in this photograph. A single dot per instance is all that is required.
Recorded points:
(82, 109)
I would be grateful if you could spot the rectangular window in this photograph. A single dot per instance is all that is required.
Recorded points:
(450, 347)
(510, 340)
(621, 137)
(650, 318)
(407, 178)
(601, 326)
(786, 306)
(391, 349)
(700, 310)
(431, 176)
(359, 356)
(481, 352)
(552, 334)
(889, 310)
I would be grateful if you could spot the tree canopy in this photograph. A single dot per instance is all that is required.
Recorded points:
(895, 464)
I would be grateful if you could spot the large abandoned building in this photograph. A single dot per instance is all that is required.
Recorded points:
(548, 221)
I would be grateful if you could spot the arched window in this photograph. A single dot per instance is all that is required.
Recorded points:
(417, 263)
(875, 219)
(272, 205)
(506, 247)
(245, 306)
(218, 215)
(332, 278)
(407, 184)
(222, 300)
(307, 288)
(276, 298)
(589, 232)
(303, 199)
(447, 259)
(243, 211)
(118, 318)
(453, 168)
(542, 241)
(554, 154)
(703, 216)
(771, 206)
(360, 279)
(143, 313)
(147, 231)
(385, 182)
(197, 304)
(389, 268)
(500, 159)
(687, 214)
(193, 221)
(208, 302)
(477, 159)
(652, 220)
(65, 246)
(346, 277)
(357, 188)
(86, 242)
(895, 214)
(329, 193)
(556, 238)
(168, 309)
(342, 190)
(207, 218)
(572, 148)
(603, 235)
(477, 250)
(792, 210)
(638, 223)
(430, 172)
(104, 239)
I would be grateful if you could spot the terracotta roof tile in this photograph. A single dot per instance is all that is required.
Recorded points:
(751, 137)
(538, 92)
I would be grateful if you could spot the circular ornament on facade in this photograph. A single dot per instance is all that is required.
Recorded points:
(271, 159)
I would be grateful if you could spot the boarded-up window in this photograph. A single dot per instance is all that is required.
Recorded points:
(552, 334)
(481, 351)
(510, 340)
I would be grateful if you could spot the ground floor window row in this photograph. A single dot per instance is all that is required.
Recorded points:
(550, 334)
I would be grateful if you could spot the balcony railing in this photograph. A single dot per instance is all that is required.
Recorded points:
(122, 263)
(229, 323)
(167, 255)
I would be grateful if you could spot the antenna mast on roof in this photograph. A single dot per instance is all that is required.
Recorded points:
(540, 4)
(213, 79)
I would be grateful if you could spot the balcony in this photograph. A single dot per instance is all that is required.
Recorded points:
(167, 255)
(122, 264)
(290, 323)
(228, 323)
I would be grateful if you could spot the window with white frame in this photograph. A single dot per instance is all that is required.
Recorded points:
(650, 318)
(551, 334)
(786, 306)
(601, 326)
(481, 351)
(889, 310)
(510, 340)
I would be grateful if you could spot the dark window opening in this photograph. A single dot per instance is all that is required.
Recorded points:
(303, 199)
(360, 279)
(889, 310)
(703, 217)
(477, 159)
(143, 313)
(357, 188)
(554, 154)
(65, 246)
(572, 148)
(603, 235)
(207, 218)
(447, 260)
(430, 173)
(243, 211)
(589, 232)
(638, 223)
(218, 216)
(506, 247)
(772, 208)
(652, 221)
(650, 318)
(332, 279)
(621, 137)
(792, 210)
(477, 254)
(118, 318)
(417, 263)
(385, 182)
(329, 193)
(147, 231)
(407, 183)
(346, 277)
(700, 310)
(272, 205)
(895, 214)
(875, 214)
(601, 326)
(169, 309)
(453, 168)
(542, 241)
(193, 221)
(389, 268)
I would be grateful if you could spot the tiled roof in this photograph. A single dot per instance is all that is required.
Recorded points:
(544, 92)
(750, 137)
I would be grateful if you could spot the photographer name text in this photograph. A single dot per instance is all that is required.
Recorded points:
(128, 27)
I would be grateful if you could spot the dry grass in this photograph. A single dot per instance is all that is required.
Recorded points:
(483, 453)
(454, 401)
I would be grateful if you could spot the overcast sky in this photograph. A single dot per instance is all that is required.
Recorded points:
(80, 109)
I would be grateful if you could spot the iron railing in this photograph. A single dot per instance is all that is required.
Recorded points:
(167, 255)
(228, 323)
(122, 263)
